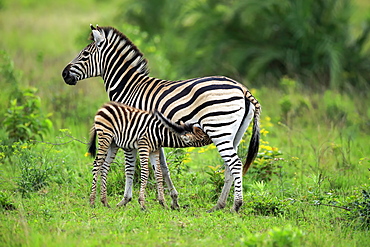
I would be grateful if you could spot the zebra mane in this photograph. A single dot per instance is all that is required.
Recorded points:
(139, 63)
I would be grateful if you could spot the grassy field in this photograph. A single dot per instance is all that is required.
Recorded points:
(310, 185)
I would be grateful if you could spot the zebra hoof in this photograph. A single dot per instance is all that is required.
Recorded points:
(237, 206)
(124, 202)
(175, 206)
(218, 206)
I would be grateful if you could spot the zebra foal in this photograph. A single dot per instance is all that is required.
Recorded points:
(120, 126)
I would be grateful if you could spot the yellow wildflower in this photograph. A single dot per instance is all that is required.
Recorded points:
(264, 132)
(264, 142)
(268, 148)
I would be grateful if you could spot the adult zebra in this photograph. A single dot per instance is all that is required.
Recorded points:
(222, 107)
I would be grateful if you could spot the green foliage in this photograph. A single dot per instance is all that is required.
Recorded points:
(260, 202)
(277, 236)
(37, 166)
(34, 170)
(216, 179)
(268, 161)
(5, 201)
(360, 210)
(9, 75)
(176, 158)
(258, 40)
(24, 120)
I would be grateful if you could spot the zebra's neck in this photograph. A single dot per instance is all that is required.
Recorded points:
(121, 62)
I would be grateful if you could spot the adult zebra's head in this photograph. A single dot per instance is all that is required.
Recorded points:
(110, 51)
(87, 63)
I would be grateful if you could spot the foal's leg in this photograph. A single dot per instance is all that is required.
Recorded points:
(95, 172)
(144, 153)
(130, 162)
(104, 146)
(112, 151)
(154, 160)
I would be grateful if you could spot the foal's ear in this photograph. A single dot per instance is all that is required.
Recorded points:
(198, 131)
(98, 35)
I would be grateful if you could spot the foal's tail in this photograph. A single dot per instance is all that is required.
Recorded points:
(92, 142)
(255, 139)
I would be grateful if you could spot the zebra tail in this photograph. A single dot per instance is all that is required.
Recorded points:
(174, 127)
(254, 143)
(92, 142)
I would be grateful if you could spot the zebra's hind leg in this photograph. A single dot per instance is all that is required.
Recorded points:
(130, 160)
(154, 160)
(166, 175)
(233, 173)
(111, 154)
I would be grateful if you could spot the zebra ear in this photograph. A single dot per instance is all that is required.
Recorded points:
(98, 35)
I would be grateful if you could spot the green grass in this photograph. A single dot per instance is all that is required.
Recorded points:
(320, 140)
(322, 171)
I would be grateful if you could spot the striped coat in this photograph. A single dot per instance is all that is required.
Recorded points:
(222, 107)
(120, 126)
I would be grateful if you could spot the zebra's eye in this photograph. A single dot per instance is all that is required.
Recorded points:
(85, 53)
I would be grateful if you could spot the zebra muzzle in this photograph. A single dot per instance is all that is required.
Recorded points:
(68, 78)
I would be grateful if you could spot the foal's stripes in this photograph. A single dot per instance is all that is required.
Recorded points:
(120, 126)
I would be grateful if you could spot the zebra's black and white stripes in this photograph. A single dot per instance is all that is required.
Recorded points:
(120, 126)
(223, 107)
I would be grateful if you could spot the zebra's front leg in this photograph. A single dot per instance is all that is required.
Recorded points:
(166, 175)
(154, 160)
(130, 160)
(111, 154)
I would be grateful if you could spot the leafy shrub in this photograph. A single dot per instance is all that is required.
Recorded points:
(266, 207)
(9, 74)
(24, 120)
(176, 158)
(34, 171)
(260, 201)
(286, 236)
(360, 209)
(37, 166)
(268, 159)
(5, 202)
(216, 178)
